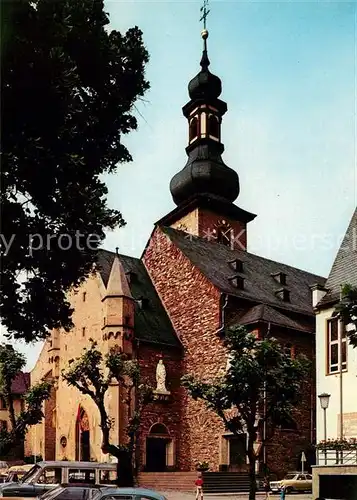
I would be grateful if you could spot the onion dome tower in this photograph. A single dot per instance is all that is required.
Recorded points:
(205, 173)
(205, 189)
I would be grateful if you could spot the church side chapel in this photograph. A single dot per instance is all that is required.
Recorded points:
(169, 310)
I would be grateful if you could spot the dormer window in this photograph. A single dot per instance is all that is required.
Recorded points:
(283, 294)
(143, 303)
(193, 129)
(237, 282)
(213, 127)
(280, 277)
(237, 265)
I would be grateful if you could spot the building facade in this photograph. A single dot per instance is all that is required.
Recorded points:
(330, 338)
(19, 387)
(171, 307)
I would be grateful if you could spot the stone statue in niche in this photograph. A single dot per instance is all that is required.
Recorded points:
(161, 378)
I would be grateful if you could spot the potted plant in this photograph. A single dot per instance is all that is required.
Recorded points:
(202, 466)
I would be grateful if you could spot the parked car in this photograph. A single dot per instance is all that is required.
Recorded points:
(293, 482)
(17, 472)
(3, 471)
(45, 476)
(72, 492)
(127, 494)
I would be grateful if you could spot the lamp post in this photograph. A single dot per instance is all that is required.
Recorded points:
(324, 402)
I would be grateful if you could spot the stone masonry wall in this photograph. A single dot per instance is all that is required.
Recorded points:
(284, 450)
(208, 222)
(193, 306)
(168, 413)
(285, 447)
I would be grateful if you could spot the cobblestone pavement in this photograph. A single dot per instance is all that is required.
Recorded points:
(176, 495)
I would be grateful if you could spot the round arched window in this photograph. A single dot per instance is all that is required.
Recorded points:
(213, 126)
(159, 429)
(193, 133)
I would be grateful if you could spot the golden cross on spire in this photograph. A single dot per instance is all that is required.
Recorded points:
(205, 13)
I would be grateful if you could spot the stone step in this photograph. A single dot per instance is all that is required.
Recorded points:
(225, 482)
(214, 482)
(166, 481)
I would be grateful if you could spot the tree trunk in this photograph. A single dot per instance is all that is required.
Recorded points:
(252, 460)
(252, 477)
(125, 473)
(10, 403)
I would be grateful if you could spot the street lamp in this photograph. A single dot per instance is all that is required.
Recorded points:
(324, 402)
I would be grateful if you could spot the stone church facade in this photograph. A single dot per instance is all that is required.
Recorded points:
(195, 278)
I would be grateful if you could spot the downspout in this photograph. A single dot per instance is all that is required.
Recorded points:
(222, 326)
(265, 416)
(222, 319)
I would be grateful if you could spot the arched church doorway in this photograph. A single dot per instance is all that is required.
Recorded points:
(158, 447)
(82, 436)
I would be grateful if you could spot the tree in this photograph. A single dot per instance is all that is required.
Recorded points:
(68, 87)
(92, 374)
(262, 383)
(346, 310)
(11, 364)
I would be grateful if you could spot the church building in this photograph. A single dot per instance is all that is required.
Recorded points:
(169, 310)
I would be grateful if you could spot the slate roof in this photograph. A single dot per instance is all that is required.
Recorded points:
(212, 259)
(152, 323)
(21, 383)
(344, 268)
(266, 314)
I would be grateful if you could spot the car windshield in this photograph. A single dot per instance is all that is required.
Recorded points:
(290, 476)
(30, 474)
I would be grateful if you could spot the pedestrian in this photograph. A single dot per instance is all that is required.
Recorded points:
(199, 487)
(282, 492)
(266, 486)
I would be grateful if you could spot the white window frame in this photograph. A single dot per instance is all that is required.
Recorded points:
(333, 369)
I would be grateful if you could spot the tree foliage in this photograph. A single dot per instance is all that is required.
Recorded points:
(262, 383)
(69, 86)
(346, 309)
(92, 373)
(11, 364)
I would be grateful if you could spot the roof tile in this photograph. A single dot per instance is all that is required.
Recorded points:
(344, 268)
(212, 259)
(152, 323)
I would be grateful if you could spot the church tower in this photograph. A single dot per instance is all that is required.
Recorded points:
(118, 323)
(205, 189)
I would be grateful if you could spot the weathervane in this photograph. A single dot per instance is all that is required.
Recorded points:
(204, 33)
(205, 13)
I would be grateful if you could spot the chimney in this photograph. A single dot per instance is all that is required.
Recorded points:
(318, 292)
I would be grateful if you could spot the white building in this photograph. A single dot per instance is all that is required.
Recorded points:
(328, 345)
(332, 351)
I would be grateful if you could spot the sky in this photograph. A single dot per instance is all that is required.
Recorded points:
(288, 72)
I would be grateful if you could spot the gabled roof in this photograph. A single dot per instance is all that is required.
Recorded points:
(344, 268)
(212, 259)
(151, 322)
(267, 314)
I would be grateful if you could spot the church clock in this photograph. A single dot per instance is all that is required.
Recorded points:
(223, 232)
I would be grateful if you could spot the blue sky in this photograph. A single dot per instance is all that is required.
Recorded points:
(288, 71)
